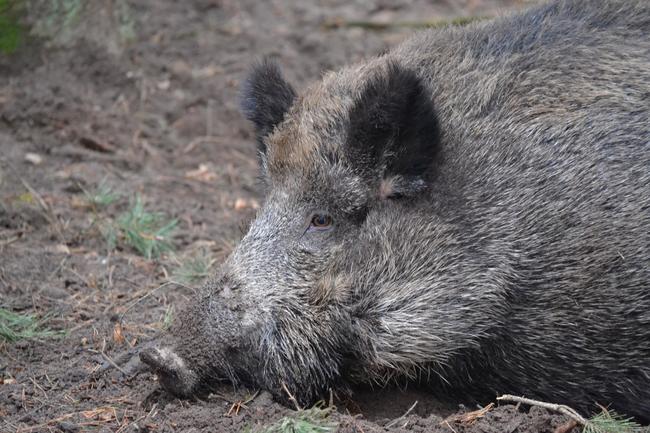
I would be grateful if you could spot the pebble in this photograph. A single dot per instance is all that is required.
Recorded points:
(34, 158)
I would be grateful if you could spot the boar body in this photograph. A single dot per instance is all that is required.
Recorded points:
(471, 209)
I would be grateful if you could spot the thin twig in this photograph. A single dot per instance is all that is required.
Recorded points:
(396, 420)
(565, 410)
(146, 295)
(449, 425)
(47, 210)
(110, 361)
(291, 397)
(251, 398)
(206, 139)
(9, 241)
(241, 404)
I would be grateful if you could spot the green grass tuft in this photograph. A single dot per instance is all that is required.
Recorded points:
(103, 195)
(148, 233)
(10, 28)
(195, 268)
(312, 420)
(609, 421)
(168, 318)
(15, 327)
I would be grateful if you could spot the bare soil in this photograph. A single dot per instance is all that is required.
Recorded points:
(161, 119)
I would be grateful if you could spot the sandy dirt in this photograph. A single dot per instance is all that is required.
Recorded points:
(161, 119)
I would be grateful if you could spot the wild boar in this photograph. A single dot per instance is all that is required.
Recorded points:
(471, 209)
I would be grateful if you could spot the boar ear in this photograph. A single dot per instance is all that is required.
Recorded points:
(266, 97)
(393, 133)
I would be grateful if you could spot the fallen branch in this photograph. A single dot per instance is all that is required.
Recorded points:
(605, 422)
(565, 410)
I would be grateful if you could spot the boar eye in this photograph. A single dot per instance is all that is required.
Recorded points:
(321, 221)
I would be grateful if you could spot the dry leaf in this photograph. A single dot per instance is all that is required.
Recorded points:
(101, 413)
(202, 173)
(78, 202)
(118, 337)
(242, 203)
(469, 418)
(61, 248)
(207, 72)
(96, 145)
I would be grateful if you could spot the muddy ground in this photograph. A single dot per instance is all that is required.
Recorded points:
(161, 119)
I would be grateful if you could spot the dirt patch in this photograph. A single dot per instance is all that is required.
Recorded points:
(161, 120)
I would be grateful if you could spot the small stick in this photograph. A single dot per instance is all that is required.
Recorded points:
(251, 398)
(47, 210)
(33, 380)
(470, 417)
(151, 413)
(291, 397)
(238, 405)
(396, 420)
(146, 295)
(9, 241)
(110, 361)
(206, 139)
(450, 427)
(565, 410)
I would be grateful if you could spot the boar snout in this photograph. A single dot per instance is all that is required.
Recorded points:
(206, 341)
(172, 371)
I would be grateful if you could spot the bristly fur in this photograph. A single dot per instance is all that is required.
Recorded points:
(265, 99)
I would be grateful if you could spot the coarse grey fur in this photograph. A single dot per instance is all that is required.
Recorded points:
(518, 262)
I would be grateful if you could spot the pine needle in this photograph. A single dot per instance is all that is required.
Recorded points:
(609, 421)
(102, 196)
(147, 232)
(15, 327)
